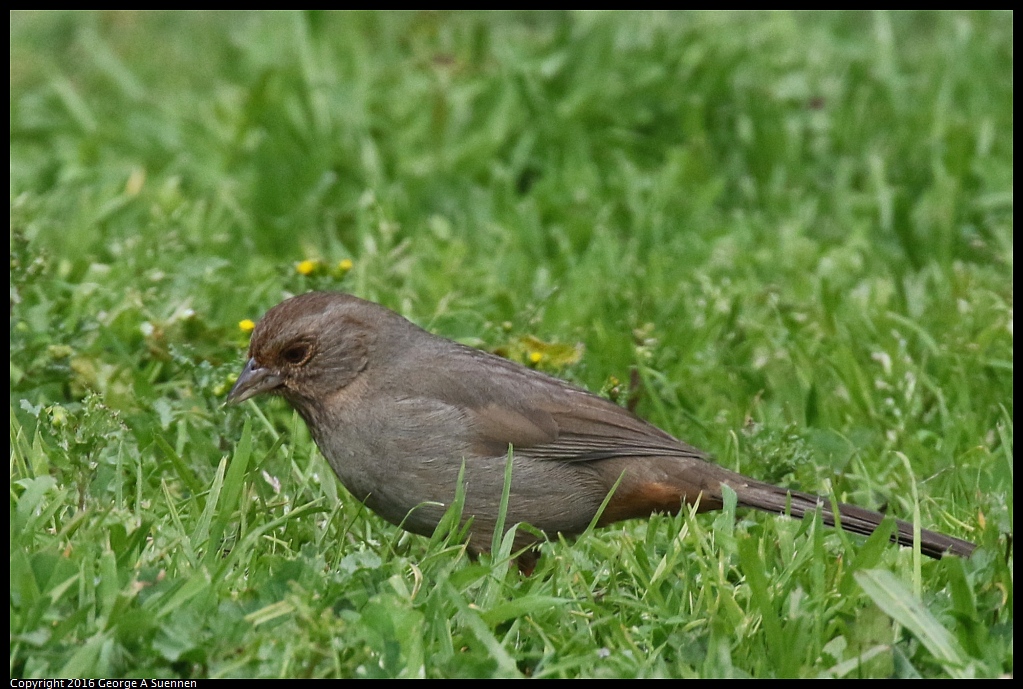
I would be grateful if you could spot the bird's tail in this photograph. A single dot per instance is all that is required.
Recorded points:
(768, 498)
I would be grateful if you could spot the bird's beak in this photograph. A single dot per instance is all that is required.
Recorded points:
(252, 381)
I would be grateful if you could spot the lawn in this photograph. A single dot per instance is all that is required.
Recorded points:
(785, 238)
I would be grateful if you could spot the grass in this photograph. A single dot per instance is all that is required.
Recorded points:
(786, 238)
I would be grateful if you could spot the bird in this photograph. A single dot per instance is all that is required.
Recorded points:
(398, 412)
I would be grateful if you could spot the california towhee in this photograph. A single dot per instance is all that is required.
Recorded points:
(396, 410)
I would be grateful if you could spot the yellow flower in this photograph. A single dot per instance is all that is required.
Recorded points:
(246, 325)
(345, 265)
(535, 357)
(306, 267)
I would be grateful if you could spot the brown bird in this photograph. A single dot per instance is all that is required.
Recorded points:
(396, 411)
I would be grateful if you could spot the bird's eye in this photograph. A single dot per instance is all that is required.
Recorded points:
(296, 353)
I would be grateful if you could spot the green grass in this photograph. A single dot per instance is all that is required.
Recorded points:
(787, 238)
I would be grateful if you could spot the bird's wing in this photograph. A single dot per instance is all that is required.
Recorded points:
(546, 418)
